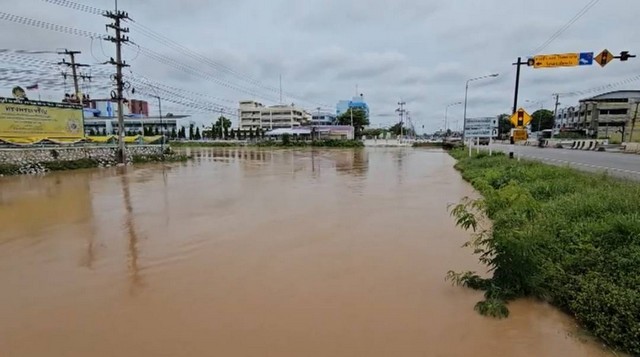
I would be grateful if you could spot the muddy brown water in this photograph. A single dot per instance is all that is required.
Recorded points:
(253, 253)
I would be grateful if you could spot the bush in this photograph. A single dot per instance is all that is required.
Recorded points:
(557, 234)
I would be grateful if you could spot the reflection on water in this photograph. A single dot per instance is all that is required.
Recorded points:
(245, 252)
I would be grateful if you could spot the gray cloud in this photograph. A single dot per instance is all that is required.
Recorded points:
(420, 51)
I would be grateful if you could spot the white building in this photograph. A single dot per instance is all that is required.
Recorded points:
(253, 115)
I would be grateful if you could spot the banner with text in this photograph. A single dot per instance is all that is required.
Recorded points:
(19, 118)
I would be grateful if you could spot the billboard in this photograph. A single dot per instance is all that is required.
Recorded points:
(481, 127)
(29, 119)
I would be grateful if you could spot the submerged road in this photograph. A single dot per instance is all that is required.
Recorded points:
(616, 164)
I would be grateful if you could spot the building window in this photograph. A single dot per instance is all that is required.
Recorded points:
(613, 111)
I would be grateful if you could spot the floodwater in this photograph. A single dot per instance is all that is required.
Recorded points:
(253, 253)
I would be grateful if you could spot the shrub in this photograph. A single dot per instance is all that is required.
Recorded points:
(557, 234)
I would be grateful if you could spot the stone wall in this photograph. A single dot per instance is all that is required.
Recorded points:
(29, 159)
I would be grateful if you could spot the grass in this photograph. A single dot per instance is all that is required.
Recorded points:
(205, 144)
(143, 159)
(567, 237)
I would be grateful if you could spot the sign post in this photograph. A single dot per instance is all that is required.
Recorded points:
(480, 128)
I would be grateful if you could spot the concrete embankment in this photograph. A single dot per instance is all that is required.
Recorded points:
(40, 160)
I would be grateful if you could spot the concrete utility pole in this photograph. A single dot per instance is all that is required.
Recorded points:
(74, 69)
(633, 123)
(555, 113)
(401, 111)
(119, 39)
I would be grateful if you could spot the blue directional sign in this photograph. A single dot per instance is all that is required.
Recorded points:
(586, 59)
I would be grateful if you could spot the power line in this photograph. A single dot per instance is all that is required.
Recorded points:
(46, 25)
(146, 31)
(566, 26)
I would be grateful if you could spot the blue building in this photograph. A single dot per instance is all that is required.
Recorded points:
(356, 103)
(323, 118)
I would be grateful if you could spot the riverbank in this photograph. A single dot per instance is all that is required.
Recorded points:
(32, 161)
(566, 237)
(272, 144)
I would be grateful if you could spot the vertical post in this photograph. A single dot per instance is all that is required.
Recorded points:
(515, 96)
(120, 90)
(490, 148)
(464, 116)
(515, 100)
(162, 128)
(633, 123)
(469, 144)
(477, 145)
(555, 113)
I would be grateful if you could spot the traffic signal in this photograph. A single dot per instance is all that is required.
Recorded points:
(624, 55)
(520, 119)
(530, 62)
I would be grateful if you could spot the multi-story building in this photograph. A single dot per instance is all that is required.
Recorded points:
(323, 118)
(101, 118)
(356, 103)
(255, 115)
(604, 115)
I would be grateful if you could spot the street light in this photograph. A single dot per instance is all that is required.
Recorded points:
(446, 109)
(466, 91)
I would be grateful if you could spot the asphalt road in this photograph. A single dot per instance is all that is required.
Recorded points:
(616, 164)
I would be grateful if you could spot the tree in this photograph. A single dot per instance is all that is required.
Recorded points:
(405, 131)
(360, 120)
(182, 133)
(92, 132)
(197, 136)
(504, 125)
(221, 127)
(156, 131)
(372, 132)
(250, 133)
(104, 131)
(173, 134)
(542, 120)
(191, 132)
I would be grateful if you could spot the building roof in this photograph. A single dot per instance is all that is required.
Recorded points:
(290, 131)
(619, 94)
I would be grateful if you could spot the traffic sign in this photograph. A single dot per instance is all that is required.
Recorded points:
(519, 134)
(556, 60)
(586, 58)
(481, 127)
(520, 118)
(604, 58)
(481, 133)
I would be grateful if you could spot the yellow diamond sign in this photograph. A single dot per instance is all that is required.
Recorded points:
(603, 58)
(520, 118)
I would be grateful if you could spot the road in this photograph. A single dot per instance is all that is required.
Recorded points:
(616, 164)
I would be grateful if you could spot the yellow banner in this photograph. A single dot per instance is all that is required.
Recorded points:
(40, 119)
(556, 60)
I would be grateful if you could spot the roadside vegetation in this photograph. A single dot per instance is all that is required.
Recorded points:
(200, 144)
(556, 234)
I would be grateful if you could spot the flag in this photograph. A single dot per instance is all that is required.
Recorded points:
(33, 87)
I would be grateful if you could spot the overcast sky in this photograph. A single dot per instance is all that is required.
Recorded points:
(418, 51)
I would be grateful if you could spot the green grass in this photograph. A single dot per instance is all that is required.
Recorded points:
(564, 236)
(143, 159)
(201, 144)
(8, 169)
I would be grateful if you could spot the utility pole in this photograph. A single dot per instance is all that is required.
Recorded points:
(515, 97)
(119, 39)
(401, 111)
(633, 123)
(555, 113)
(74, 69)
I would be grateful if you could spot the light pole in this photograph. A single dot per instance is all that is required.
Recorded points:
(466, 92)
(446, 109)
